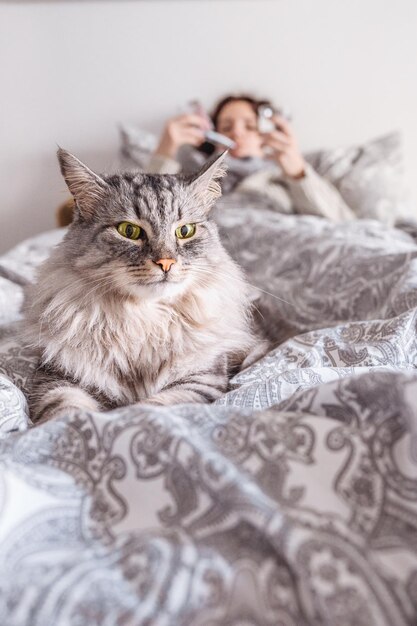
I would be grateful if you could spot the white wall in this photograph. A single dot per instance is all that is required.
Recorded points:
(69, 71)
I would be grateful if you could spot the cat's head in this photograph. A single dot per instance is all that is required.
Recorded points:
(143, 234)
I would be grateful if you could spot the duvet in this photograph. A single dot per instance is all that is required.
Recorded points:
(291, 501)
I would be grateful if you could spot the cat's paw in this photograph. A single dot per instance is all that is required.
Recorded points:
(64, 402)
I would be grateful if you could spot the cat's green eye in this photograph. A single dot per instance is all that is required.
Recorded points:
(186, 231)
(129, 230)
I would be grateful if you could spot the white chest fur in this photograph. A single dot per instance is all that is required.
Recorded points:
(130, 349)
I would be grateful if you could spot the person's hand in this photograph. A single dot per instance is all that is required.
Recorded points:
(283, 149)
(180, 130)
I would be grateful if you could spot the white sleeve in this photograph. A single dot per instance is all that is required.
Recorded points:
(313, 195)
(159, 164)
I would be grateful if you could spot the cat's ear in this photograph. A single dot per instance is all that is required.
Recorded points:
(205, 184)
(87, 187)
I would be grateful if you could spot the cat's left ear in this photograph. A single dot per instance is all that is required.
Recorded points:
(87, 187)
(205, 186)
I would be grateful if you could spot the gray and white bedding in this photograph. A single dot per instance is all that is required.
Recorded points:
(292, 500)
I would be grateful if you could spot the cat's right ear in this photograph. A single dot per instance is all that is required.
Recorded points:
(86, 186)
(204, 185)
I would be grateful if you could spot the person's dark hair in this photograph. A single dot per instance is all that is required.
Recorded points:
(255, 103)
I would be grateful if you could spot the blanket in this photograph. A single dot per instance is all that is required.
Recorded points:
(292, 500)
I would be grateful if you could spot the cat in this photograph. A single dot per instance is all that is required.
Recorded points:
(140, 303)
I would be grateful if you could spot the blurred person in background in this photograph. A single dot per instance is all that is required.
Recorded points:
(269, 163)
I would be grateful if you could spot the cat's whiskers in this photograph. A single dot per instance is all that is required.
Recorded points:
(152, 278)
(204, 274)
(96, 282)
(84, 280)
(272, 295)
(108, 280)
(105, 281)
(218, 271)
(77, 298)
(103, 294)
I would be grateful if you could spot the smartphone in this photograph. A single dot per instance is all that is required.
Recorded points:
(211, 136)
(265, 121)
(265, 118)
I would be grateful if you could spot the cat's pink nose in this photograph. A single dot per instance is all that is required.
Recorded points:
(165, 264)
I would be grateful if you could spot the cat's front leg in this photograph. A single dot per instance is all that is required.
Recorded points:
(51, 395)
(201, 387)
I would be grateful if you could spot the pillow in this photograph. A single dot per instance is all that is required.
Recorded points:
(369, 176)
(136, 147)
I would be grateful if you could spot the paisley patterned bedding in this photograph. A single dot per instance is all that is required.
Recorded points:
(292, 500)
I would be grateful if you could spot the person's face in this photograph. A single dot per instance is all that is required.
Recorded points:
(238, 121)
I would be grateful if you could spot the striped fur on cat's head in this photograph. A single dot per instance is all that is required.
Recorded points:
(146, 235)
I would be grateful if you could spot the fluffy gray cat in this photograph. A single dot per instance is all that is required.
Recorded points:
(140, 303)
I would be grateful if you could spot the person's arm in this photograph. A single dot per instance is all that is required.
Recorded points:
(178, 131)
(309, 192)
(313, 195)
(160, 164)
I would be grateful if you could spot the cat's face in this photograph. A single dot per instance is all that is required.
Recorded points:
(142, 234)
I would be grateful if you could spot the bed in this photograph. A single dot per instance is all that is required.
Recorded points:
(292, 500)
